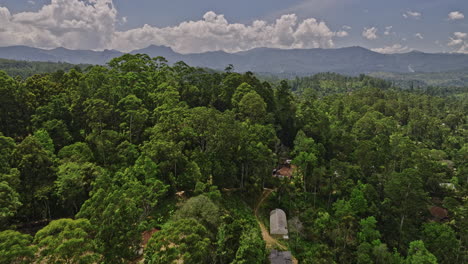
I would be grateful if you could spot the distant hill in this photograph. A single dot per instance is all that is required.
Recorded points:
(301, 62)
(442, 79)
(25, 69)
(23, 53)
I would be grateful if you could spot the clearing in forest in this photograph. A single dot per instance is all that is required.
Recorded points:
(271, 242)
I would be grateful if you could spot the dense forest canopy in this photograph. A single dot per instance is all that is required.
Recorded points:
(444, 79)
(25, 69)
(140, 161)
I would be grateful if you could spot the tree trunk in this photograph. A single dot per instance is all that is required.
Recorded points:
(242, 176)
(130, 127)
(304, 178)
(330, 191)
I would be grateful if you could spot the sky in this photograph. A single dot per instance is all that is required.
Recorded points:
(189, 26)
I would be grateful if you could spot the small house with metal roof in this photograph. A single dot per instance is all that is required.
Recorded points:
(278, 223)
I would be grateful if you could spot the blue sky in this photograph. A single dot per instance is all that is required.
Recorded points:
(382, 25)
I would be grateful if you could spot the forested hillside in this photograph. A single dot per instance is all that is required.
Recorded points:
(141, 162)
(443, 79)
(276, 61)
(26, 69)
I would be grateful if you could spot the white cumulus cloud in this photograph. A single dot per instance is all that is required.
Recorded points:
(388, 30)
(459, 42)
(412, 14)
(456, 15)
(214, 32)
(67, 23)
(460, 35)
(370, 33)
(455, 42)
(396, 48)
(463, 48)
(91, 24)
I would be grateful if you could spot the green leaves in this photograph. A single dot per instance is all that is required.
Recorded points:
(251, 248)
(408, 202)
(36, 165)
(67, 241)
(418, 254)
(74, 181)
(369, 232)
(115, 213)
(14, 107)
(97, 113)
(16, 248)
(441, 240)
(306, 152)
(9, 202)
(119, 205)
(77, 152)
(183, 240)
(132, 134)
(134, 116)
(7, 145)
(44, 139)
(203, 210)
(252, 107)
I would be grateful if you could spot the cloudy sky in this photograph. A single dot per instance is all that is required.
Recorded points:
(191, 26)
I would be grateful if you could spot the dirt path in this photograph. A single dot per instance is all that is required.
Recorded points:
(271, 242)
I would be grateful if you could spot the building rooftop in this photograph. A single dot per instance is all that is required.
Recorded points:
(278, 222)
(280, 257)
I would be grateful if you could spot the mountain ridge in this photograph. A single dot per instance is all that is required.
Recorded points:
(348, 60)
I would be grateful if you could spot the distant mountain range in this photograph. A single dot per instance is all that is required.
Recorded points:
(352, 60)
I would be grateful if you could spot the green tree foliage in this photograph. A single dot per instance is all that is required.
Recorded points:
(26, 69)
(252, 107)
(134, 115)
(228, 239)
(306, 153)
(9, 202)
(441, 240)
(418, 254)
(16, 247)
(407, 200)
(67, 241)
(44, 139)
(203, 210)
(36, 165)
(77, 152)
(14, 106)
(7, 146)
(183, 240)
(239, 236)
(73, 182)
(9, 181)
(123, 145)
(250, 248)
(379, 152)
(119, 205)
(371, 249)
(285, 113)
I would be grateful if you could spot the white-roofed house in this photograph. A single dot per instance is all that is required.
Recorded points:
(278, 223)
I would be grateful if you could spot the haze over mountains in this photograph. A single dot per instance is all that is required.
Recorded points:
(352, 60)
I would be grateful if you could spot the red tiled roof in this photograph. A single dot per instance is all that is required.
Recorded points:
(285, 171)
(438, 212)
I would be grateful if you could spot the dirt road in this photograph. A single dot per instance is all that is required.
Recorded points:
(271, 242)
